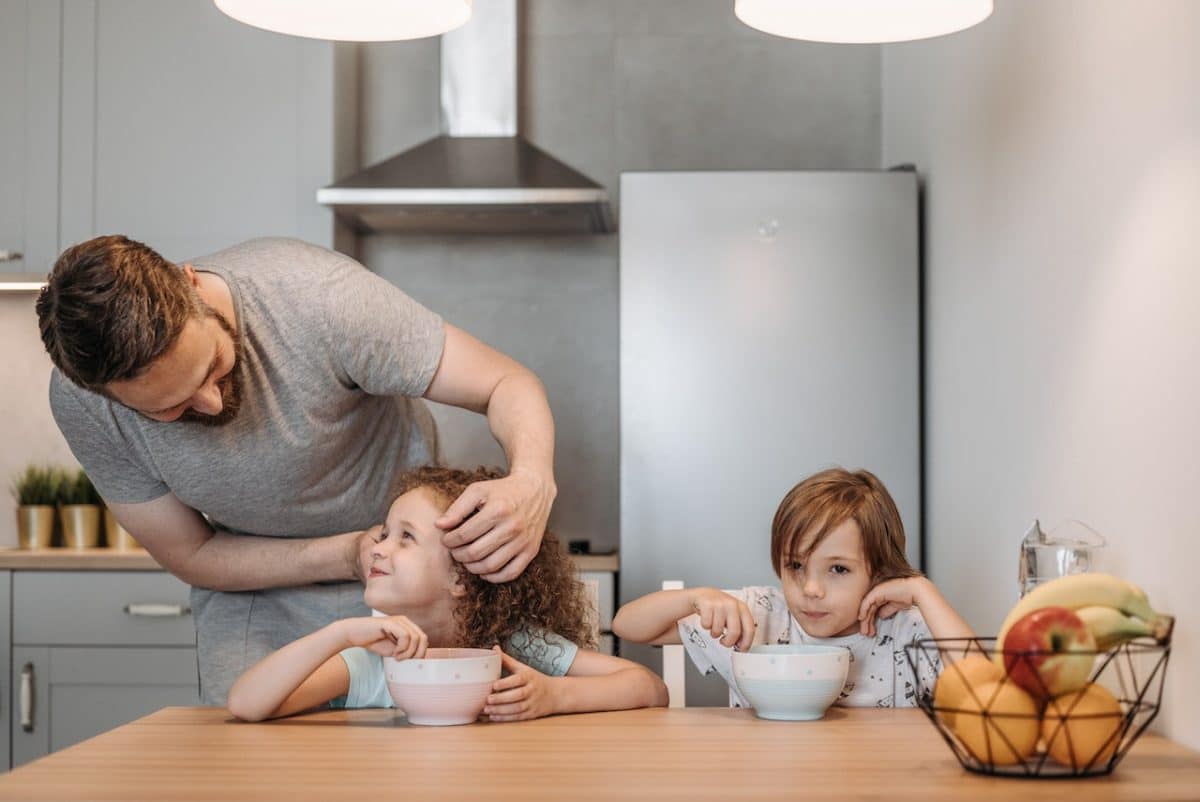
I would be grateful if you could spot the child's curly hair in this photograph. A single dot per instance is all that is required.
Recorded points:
(547, 595)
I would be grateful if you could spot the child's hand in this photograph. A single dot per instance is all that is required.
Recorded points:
(888, 598)
(524, 694)
(726, 618)
(391, 636)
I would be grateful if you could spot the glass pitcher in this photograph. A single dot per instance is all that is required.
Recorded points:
(1068, 548)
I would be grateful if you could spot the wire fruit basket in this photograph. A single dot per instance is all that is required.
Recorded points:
(996, 727)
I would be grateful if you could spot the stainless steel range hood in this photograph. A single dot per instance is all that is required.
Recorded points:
(480, 176)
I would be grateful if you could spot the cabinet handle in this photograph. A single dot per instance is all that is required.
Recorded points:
(10, 256)
(27, 698)
(158, 610)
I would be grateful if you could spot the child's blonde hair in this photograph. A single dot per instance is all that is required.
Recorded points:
(824, 501)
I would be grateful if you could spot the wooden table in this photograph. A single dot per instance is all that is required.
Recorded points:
(686, 754)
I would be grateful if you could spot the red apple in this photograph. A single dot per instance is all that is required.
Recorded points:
(1041, 652)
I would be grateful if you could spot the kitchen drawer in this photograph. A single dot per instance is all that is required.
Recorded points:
(601, 589)
(110, 608)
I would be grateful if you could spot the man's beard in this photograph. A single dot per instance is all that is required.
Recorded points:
(231, 385)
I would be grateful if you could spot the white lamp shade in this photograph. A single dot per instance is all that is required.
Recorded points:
(351, 20)
(861, 21)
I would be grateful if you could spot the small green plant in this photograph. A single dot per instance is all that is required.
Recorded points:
(38, 485)
(77, 488)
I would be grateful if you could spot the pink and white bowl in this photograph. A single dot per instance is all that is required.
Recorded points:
(447, 686)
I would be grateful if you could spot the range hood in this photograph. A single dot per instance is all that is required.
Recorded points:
(479, 176)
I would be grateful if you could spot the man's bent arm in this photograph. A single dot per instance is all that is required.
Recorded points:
(495, 528)
(184, 543)
(475, 376)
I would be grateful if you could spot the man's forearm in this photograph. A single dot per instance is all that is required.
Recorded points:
(245, 562)
(519, 416)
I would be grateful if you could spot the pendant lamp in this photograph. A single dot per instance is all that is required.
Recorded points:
(861, 21)
(351, 20)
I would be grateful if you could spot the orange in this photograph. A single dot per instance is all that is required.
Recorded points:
(954, 686)
(1083, 728)
(1008, 733)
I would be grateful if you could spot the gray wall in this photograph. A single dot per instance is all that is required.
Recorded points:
(606, 87)
(1061, 147)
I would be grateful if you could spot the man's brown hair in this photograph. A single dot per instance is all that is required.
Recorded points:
(111, 307)
(825, 500)
(547, 595)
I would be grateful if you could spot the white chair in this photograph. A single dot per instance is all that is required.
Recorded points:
(674, 662)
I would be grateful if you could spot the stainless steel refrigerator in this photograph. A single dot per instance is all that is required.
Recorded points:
(770, 327)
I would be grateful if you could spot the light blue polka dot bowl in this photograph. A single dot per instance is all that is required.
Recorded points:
(791, 683)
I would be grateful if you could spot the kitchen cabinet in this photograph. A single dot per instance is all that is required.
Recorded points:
(601, 589)
(92, 650)
(168, 122)
(5, 677)
(30, 50)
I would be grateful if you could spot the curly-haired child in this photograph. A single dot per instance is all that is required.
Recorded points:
(541, 619)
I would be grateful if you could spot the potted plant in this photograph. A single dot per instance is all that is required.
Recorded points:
(80, 508)
(36, 490)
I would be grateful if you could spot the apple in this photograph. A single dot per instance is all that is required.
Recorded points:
(1049, 652)
(1083, 728)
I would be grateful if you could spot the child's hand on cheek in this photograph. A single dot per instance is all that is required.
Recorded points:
(524, 694)
(886, 599)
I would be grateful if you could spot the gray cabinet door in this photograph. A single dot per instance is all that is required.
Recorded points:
(29, 114)
(64, 695)
(190, 131)
(5, 665)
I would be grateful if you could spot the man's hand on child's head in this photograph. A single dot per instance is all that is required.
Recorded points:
(524, 694)
(727, 619)
(495, 528)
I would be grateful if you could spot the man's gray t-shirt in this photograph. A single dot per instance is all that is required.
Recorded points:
(333, 363)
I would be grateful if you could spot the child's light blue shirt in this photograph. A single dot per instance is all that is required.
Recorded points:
(544, 651)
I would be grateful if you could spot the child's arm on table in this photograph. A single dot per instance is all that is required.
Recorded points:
(888, 598)
(594, 682)
(654, 617)
(309, 671)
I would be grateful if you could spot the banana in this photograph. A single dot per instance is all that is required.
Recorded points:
(1109, 626)
(1087, 590)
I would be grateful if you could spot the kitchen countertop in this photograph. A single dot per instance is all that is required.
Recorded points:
(140, 560)
(684, 753)
(77, 560)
